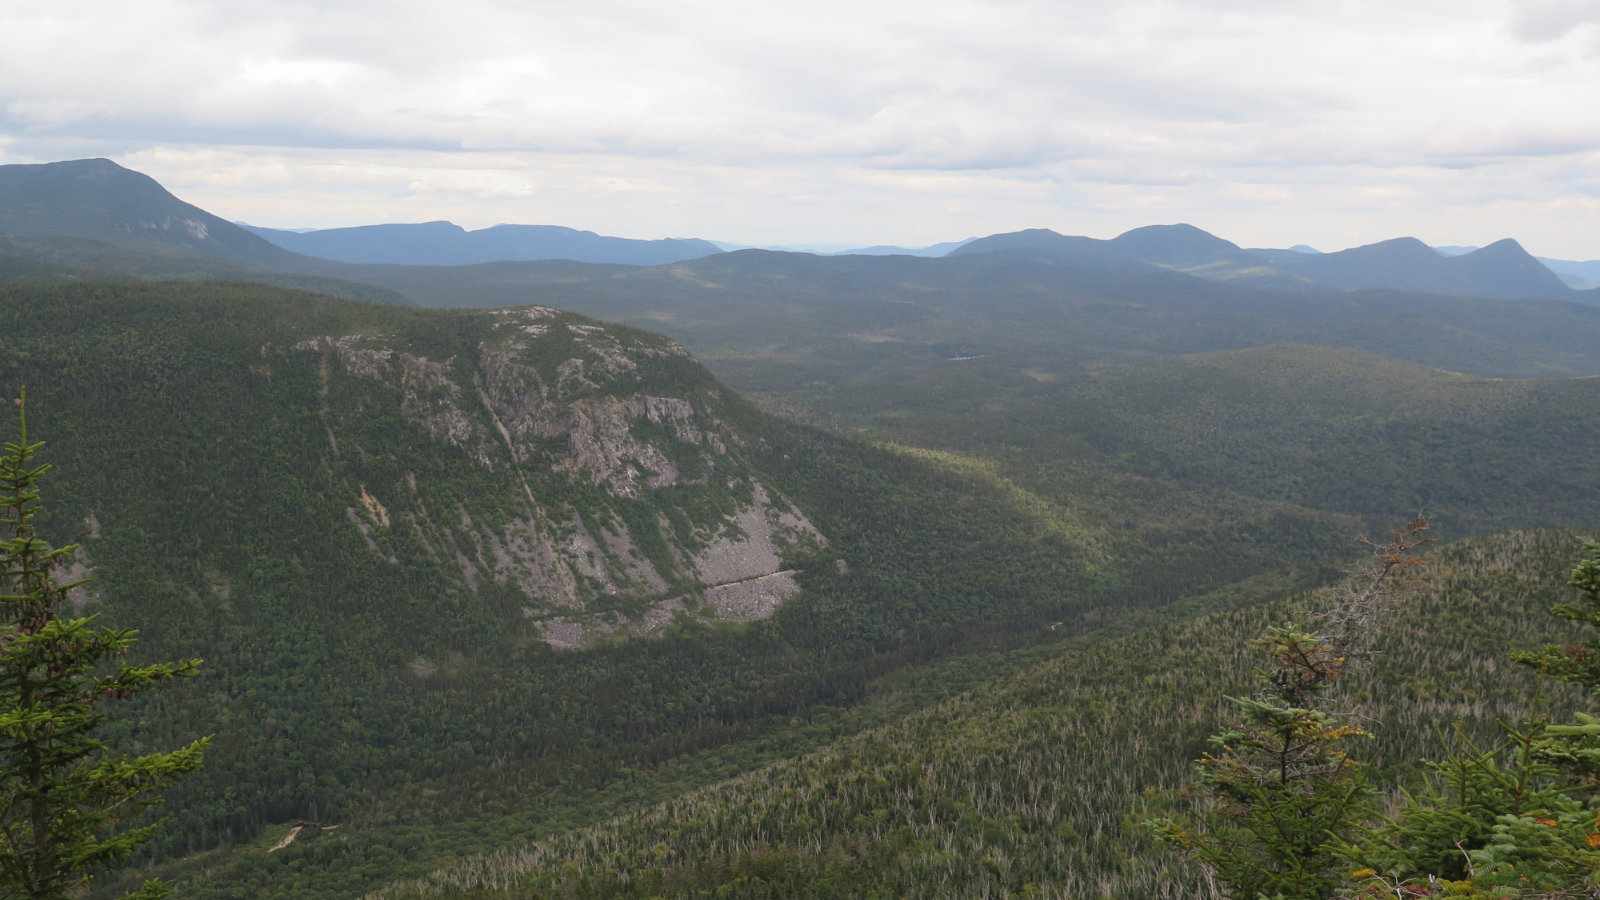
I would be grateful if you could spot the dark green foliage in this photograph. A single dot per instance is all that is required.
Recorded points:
(98, 200)
(1060, 515)
(62, 794)
(1580, 663)
(58, 258)
(1471, 791)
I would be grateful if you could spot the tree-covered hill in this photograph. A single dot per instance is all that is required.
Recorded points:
(1501, 270)
(770, 320)
(49, 257)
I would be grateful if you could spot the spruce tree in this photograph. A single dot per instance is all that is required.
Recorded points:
(62, 792)
(1280, 796)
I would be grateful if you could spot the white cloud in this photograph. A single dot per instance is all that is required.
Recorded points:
(621, 114)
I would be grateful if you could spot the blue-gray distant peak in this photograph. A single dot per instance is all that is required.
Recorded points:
(1502, 270)
(448, 244)
(1180, 246)
(1273, 254)
(1044, 245)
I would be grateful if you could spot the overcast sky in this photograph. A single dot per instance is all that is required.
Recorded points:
(1268, 123)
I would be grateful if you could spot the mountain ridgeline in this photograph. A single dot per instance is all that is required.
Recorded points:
(49, 211)
(445, 244)
(1500, 271)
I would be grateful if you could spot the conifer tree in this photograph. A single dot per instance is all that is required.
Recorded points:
(1280, 795)
(1280, 790)
(62, 794)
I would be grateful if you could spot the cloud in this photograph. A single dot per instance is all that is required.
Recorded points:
(1552, 20)
(1154, 104)
(951, 86)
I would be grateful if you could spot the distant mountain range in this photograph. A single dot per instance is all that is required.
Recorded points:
(447, 244)
(98, 200)
(832, 249)
(1501, 271)
(48, 211)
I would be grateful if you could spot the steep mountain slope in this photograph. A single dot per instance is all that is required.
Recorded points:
(1504, 269)
(384, 509)
(570, 399)
(447, 244)
(361, 516)
(464, 574)
(98, 200)
(92, 219)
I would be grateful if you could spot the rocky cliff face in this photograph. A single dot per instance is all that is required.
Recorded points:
(621, 499)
